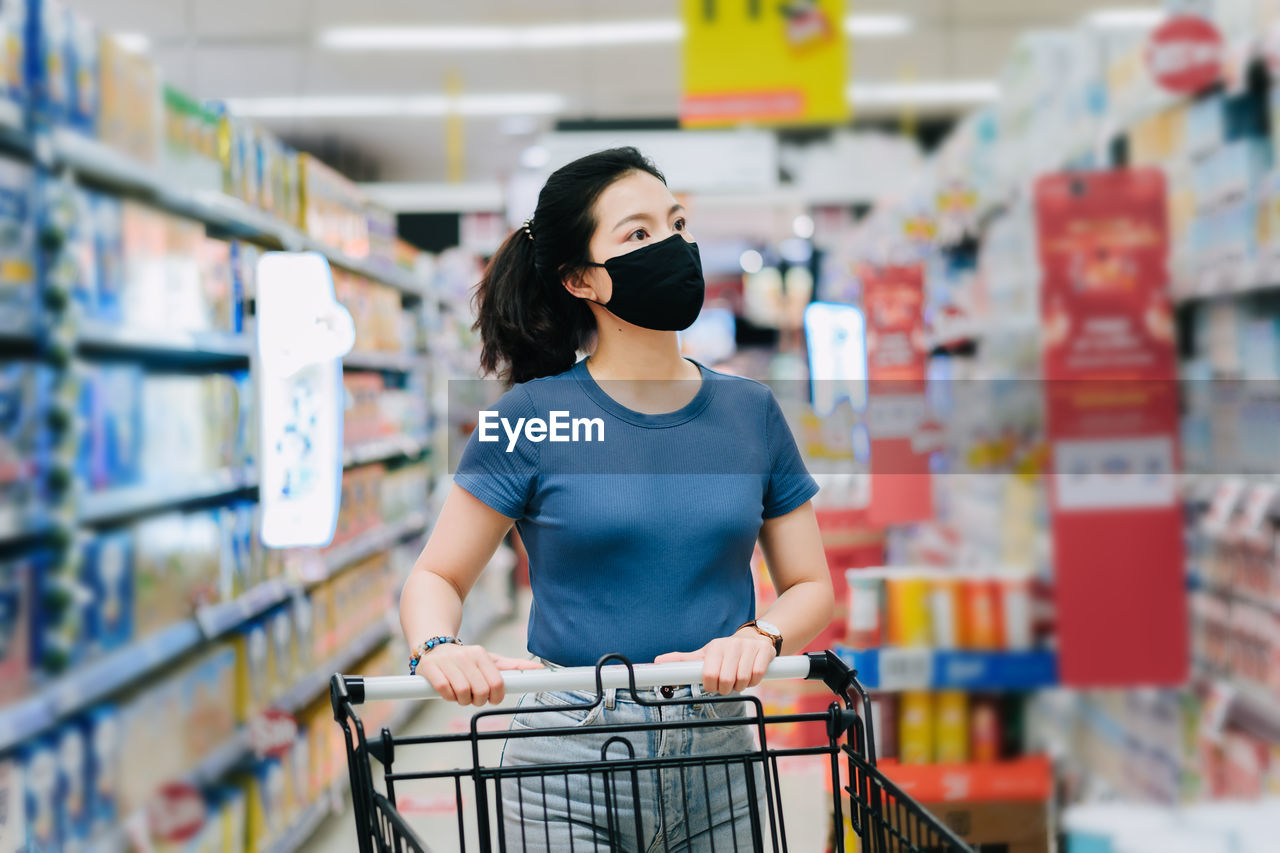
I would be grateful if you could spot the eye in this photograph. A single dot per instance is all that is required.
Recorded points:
(680, 224)
(638, 234)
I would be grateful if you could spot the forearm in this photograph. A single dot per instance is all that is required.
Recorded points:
(430, 606)
(801, 613)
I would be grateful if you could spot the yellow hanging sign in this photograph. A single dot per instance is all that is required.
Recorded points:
(777, 62)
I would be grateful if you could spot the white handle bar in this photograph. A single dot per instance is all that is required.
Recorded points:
(519, 681)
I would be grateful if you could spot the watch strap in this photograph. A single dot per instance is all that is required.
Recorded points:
(775, 638)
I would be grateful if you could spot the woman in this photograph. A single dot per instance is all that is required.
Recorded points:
(640, 532)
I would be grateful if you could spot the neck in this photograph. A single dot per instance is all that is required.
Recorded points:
(629, 352)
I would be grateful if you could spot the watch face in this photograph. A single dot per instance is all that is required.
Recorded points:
(769, 627)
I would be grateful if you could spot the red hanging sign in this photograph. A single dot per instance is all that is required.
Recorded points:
(901, 486)
(1112, 418)
(1185, 54)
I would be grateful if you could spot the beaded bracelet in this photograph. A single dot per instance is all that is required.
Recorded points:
(423, 648)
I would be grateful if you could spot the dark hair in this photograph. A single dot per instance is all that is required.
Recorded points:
(529, 325)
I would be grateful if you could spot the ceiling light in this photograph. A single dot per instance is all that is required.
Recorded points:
(877, 26)
(543, 36)
(357, 106)
(751, 262)
(1129, 18)
(915, 94)
(132, 42)
(550, 36)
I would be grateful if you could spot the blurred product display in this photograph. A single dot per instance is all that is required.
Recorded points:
(1028, 344)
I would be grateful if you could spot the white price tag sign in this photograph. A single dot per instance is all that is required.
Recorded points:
(906, 669)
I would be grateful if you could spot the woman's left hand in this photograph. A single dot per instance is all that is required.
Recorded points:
(730, 664)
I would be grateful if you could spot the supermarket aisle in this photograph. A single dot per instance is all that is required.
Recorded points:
(430, 810)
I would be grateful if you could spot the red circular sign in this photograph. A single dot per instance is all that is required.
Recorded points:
(177, 813)
(1184, 54)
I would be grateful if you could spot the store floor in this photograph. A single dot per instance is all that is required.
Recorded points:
(430, 808)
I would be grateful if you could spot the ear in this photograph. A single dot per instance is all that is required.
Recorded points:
(579, 284)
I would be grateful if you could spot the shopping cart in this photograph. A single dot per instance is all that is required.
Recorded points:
(883, 819)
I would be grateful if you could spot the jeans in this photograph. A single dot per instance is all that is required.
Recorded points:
(689, 810)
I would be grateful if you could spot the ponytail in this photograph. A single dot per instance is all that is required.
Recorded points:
(530, 325)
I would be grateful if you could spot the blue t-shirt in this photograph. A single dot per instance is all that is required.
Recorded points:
(640, 538)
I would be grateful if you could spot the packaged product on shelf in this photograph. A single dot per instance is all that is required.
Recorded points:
(302, 612)
(231, 817)
(986, 735)
(83, 71)
(101, 727)
(908, 610)
(81, 247)
(265, 796)
(944, 612)
(980, 619)
(253, 670)
(916, 727)
(51, 78)
(129, 101)
(280, 633)
(38, 761)
(235, 526)
(107, 574)
(114, 434)
(951, 732)
(24, 398)
(208, 702)
(107, 228)
(866, 610)
(190, 143)
(17, 244)
(884, 716)
(333, 208)
(13, 47)
(382, 237)
(74, 817)
(16, 611)
(13, 813)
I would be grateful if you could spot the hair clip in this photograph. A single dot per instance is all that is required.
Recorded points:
(528, 228)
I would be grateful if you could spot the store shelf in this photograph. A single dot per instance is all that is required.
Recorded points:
(382, 450)
(367, 544)
(102, 338)
(391, 362)
(217, 619)
(893, 669)
(103, 165)
(16, 329)
(114, 504)
(99, 679)
(297, 835)
(300, 833)
(316, 682)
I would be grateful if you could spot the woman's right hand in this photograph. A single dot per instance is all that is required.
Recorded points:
(468, 675)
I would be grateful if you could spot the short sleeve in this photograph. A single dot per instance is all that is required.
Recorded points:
(498, 472)
(790, 483)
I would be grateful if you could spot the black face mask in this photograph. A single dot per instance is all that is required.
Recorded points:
(658, 287)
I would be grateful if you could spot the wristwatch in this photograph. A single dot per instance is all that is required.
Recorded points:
(768, 629)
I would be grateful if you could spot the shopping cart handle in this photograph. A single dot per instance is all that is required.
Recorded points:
(647, 675)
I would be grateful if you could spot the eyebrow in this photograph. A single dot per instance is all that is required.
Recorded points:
(624, 220)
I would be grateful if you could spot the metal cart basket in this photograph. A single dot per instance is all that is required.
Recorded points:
(883, 819)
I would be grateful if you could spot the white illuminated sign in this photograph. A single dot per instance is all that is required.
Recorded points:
(303, 332)
(836, 338)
